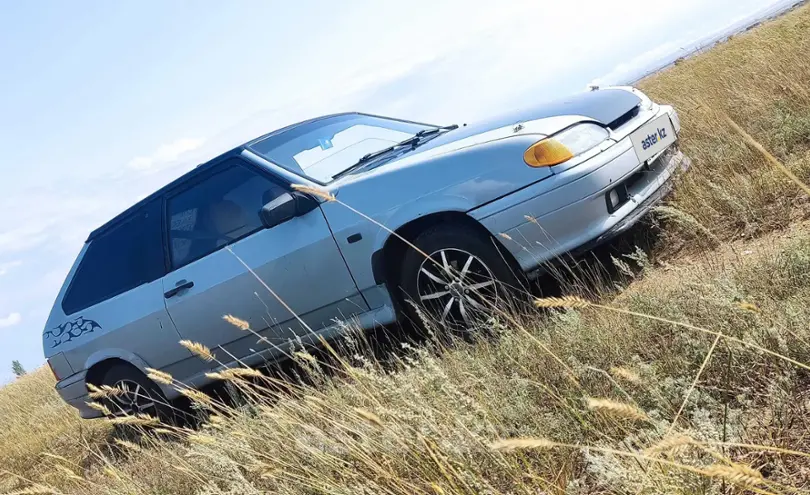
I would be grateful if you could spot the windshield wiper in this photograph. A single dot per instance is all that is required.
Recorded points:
(413, 142)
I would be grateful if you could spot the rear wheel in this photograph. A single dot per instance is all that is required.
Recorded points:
(138, 394)
(463, 282)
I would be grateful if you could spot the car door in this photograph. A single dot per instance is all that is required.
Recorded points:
(221, 257)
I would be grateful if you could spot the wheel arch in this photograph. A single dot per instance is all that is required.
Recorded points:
(384, 266)
(98, 363)
(96, 372)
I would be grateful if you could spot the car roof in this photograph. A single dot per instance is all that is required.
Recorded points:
(204, 166)
(303, 122)
(148, 199)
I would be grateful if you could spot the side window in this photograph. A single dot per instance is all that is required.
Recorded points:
(213, 213)
(120, 259)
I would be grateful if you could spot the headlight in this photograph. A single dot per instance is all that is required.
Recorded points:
(565, 145)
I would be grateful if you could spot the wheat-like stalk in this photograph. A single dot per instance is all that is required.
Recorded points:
(94, 391)
(198, 350)
(237, 322)
(68, 472)
(167, 431)
(99, 407)
(509, 444)
(736, 473)
(238, 373)
(103, 392)
(670, 445)
(268, 473)
(127, 444)
(616, 408)
(110, 472)
(196, 396)
(55, 456)
(159, 376)
(316, 403)
(213, 426)
(625, 374)
(505, 236)
(305, 356)
(314, 191)
(215, 376)
(561, 302)
(201, 439)
(747, 306)
(369, 416)
(137, 420)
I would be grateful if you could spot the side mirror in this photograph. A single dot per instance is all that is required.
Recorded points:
(286, 207)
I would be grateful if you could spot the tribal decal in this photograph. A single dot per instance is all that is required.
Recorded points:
(70, 330)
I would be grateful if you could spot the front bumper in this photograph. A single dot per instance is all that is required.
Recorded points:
(567, 213)
(676, 160)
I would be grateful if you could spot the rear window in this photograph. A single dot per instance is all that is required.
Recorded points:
(118, 260)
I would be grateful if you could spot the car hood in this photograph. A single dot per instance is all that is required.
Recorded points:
(603, 106)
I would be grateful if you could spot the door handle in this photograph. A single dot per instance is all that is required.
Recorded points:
(181, 285)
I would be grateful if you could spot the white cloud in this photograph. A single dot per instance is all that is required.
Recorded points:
(6, 267)
(10, 320)
(628, 71)
(23, 238)
(166, 156)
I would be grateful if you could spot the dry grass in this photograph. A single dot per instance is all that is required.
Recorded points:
(693, 378)
(34, 421)
(494, 416)
(762, 81)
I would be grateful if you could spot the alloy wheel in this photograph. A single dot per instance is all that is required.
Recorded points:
(457, 287)
(133, 399)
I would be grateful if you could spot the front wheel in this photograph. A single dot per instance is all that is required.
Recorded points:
(462, 282)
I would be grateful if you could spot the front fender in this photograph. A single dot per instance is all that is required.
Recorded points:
(428, 205)
(359, 254)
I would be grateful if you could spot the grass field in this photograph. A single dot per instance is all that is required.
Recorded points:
(687, 372)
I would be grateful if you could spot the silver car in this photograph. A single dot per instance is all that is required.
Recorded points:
(421, 213)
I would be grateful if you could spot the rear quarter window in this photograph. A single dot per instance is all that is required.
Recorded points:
(126, 256)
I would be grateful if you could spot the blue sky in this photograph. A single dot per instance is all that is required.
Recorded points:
(103, 102)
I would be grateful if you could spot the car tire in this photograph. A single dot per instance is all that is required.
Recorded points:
(474, 298)
(142, 396)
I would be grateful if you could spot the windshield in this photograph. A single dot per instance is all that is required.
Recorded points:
(324, 148)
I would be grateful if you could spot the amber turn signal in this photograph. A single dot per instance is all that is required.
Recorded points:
(547, 153)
